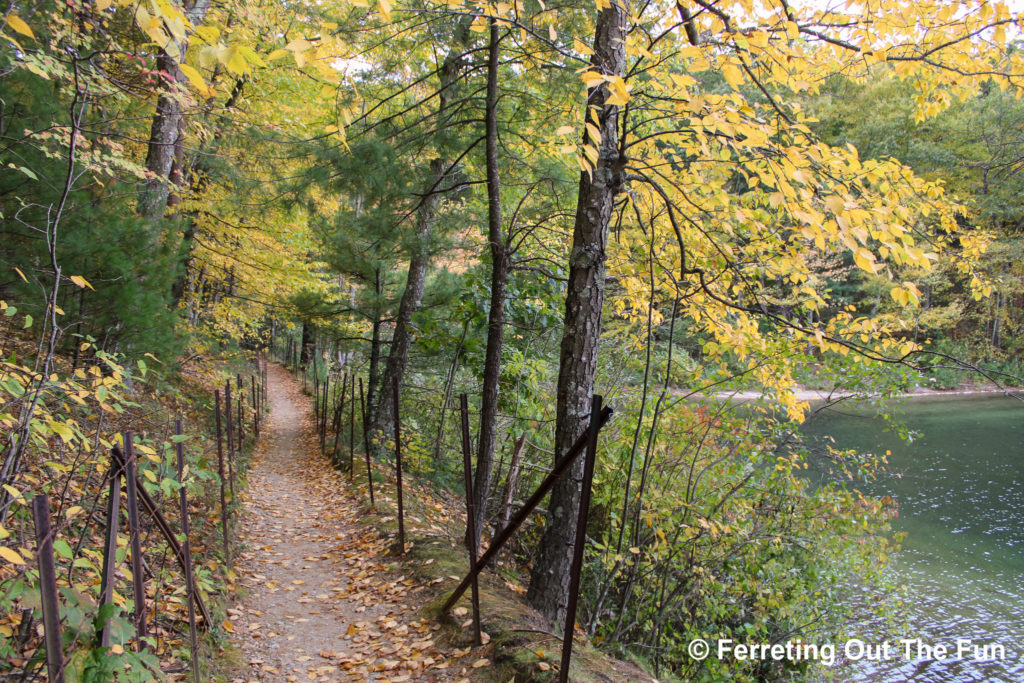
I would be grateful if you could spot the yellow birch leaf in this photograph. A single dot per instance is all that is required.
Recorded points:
(619, 92)
(385, 9)
(732, 74)
(298, 45)
(78, 279)
(19, 25)
(581, 47)
(193, 76)
(11, 556)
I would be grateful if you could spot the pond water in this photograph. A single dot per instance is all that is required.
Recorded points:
(959, 486)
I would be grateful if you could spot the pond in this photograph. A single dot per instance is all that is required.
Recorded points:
(959, 486)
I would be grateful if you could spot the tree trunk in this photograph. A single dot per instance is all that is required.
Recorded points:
(164, 131)
(308, 344)
(373, 372)
(499, 282)
(382, 423)
(549, 581)
(412, 297)
(162, 138)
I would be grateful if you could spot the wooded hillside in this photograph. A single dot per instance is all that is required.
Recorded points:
(530, 203)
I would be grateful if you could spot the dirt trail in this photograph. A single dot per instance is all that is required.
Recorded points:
(321, 600)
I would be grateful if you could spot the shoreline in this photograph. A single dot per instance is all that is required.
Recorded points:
(823, 396)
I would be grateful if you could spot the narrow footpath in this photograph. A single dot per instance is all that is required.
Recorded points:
(320, 599)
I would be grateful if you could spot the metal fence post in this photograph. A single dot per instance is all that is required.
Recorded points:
(110, 548)
(48, 588)
(186, 549)
(135, 540)
(230, 420)
(398, 468)
(366, 440)
(561, 465)
(352, 431)
(223, 483)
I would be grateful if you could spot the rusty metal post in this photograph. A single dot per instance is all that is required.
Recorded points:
(241, 405)
(339, 414)
(352, 431)
(316, 395)
(322, 424)
(580, 540)
(110, 547)
(166, 531)
(135, 541)
(48, 588)
(366, 440)
(255, 406)
(223, 484)
(472, 542)
(186, 549)
(398, 469)
(561, 465)
(230, 420)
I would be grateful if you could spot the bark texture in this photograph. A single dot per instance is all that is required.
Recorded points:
(412, 297)
(166, 127)
(499, 286)
(549, 580)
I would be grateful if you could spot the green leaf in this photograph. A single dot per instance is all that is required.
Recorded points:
(61, 547)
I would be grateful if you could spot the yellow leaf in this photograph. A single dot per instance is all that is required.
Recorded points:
(15, 22)
(11, 556)
(591, 78)
(865, 260)
(62, 430)
(103, 4)
(835, 203)
(732, 75)
(385, 9)
(581, 47)
(298, 45)
(208, 33)
(78, 279)
(564, 130)
(276, 54)
(552, 34)
(228, 626)
(619, 92)
(194, 78)
(18, 271)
